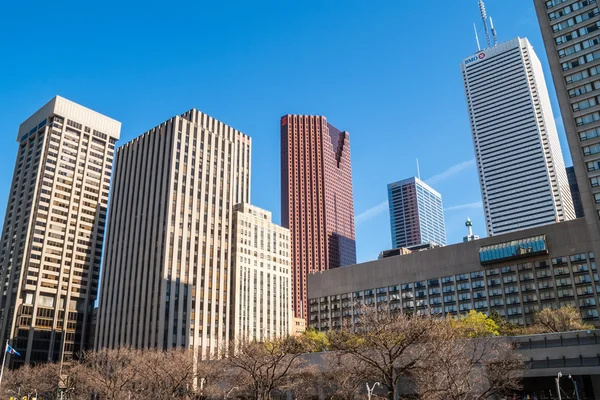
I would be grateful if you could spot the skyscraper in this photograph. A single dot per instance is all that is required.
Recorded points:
(261, 289)
(416, 214)
(166, 280)
(572, 178)
(571, 37)
(316, 199)
(521, 169)
(54, 229)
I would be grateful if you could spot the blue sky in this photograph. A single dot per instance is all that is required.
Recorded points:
(387, 71)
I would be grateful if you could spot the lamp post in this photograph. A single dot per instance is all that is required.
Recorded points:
(557, 379)
(371, 389)
(576, 388)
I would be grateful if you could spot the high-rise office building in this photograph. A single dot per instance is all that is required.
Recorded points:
(261, 291)
(575, 192)
(416, 214)
(54, 229)
(316, 199)
(166, 280)
(519, 160)
(570, 30)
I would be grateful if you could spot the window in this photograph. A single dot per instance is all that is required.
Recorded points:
(589, 134)
(591, 149)
(593, 165)
(588, 119)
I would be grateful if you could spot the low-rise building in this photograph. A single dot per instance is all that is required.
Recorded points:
(298, 326)
(515, 274)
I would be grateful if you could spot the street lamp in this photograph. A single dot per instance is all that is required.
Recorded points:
(576, 388)
(558, 385)
(371, 389)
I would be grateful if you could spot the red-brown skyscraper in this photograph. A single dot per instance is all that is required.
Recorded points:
(316, 199)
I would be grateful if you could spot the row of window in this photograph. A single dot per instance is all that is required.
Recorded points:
(575, 20)
(569, 9)
(582, 60)
(577, 33)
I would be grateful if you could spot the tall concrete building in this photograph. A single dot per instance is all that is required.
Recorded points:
(572, 177)
(166, 280)
(416, 214)
(572, 40)
(261, 292)
(316, 199)
(54, 229)
(521, 169)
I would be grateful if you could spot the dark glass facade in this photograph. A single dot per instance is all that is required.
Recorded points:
(575, 192)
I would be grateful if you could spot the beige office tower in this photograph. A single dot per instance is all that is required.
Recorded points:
(262, 292)
(166, 280)
(53, 230)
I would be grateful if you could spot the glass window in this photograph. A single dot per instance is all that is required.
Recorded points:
(513, 250)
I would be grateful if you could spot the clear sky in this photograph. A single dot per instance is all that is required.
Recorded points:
(387, 71)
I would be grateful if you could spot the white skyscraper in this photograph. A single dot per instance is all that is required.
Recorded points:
(519, 160)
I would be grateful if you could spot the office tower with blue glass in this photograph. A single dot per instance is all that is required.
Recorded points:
(416, 214)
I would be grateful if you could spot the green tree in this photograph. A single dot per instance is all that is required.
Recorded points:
(475, 325)
(318, 340)
(506, 328)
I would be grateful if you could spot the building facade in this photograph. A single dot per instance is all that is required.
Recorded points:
(570, 32)
(167, 276)
(262, 291)
(416, 214)
(572, 178)
(515, 274)
(316, 199)
(521, 169)
(54, 229)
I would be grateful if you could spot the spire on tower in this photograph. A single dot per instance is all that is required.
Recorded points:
(476, 37)
(470, 236)
(484, 19)
(493, 32)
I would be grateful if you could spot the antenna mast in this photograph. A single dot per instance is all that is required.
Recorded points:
(476, 37)
(418, 170)
(493, 32)
(484, 19)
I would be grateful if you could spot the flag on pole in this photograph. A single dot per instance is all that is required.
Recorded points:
(10, 350)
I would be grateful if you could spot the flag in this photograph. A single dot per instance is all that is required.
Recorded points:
(10, 350)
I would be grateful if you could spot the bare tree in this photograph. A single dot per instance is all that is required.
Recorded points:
(111, 374)
(260, 368)
(31, 381)
(564, 319)
(387, 346)
(164, 374)
(469, 369)
(343, 377)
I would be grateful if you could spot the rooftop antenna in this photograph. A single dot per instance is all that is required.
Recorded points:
(476, 37)
(484, 19)
(418, 170)
(493, 32)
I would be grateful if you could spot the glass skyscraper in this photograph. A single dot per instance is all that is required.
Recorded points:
(416, 214)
